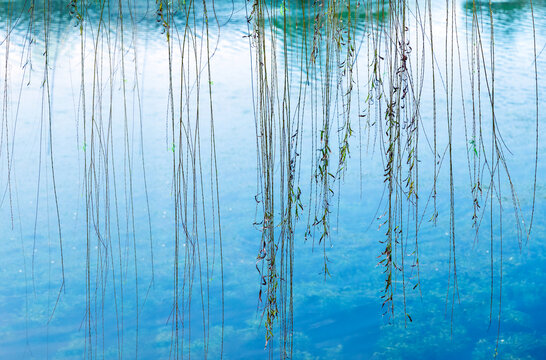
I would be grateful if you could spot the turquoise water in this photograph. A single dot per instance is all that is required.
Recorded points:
(337, 317)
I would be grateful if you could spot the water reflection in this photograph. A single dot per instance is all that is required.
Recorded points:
(507, 7)
(511, 16)
(336, 318)
(29, 15)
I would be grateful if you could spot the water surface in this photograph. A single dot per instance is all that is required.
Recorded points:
(339, 316)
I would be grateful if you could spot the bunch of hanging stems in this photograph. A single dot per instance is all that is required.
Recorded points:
(324, 91)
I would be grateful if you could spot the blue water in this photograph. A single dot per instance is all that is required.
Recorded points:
(339, 317)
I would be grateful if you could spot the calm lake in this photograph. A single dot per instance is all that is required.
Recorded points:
(106, 146)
